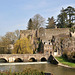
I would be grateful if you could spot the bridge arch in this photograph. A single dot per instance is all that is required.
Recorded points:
(18, 60)
(32, 59)
(3, 60)
(43, 59)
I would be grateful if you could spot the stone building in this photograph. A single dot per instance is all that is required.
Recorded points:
(48, 48)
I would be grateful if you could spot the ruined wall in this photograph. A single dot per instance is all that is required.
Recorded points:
(25, 33)
(28, 33)
(46, 34)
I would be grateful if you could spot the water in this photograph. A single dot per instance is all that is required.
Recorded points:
(42, 66)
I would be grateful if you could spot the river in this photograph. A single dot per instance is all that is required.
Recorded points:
(42, 66)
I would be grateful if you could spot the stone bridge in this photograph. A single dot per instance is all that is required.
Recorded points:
(24, 57)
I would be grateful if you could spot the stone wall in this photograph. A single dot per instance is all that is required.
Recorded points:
(28, 34)
(44, 34)
(48, 33)
(23, 57)
(25, 33)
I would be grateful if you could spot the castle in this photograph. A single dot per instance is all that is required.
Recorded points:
(45, 36)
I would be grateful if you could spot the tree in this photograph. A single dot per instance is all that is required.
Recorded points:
(8, 40)
(51, 23)
(4, 45)
(30, 25)
(17, 34)
(71, 14)
(66, 18)
(38, 21)
(62, 19)
(22, 46)
(41, 47)
(72, 29)
(11, 36)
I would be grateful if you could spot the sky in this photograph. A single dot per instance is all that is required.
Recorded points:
(15, 14)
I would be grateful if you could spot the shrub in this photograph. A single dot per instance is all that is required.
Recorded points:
(24, 72)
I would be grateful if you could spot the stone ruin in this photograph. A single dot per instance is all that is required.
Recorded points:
(50, 45)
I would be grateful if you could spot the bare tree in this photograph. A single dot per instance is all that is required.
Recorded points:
(7, 40)
(38, 21)
(17, 34)
(10, 36)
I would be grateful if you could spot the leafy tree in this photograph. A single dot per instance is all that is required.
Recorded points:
(71, 14)
(30, 25)
(62, 19)
(51, 23)
(66, 18)
(72, 29)
(38, 21)
(41, 47)
(22, 46)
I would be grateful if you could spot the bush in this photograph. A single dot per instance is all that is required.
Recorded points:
(24, 72)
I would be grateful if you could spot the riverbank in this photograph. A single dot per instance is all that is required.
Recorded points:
(65, 63)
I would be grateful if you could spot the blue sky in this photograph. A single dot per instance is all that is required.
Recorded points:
(14, 14)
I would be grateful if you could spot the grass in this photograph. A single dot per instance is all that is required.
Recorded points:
(65, 61)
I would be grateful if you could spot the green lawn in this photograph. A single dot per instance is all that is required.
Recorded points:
(65, 62)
